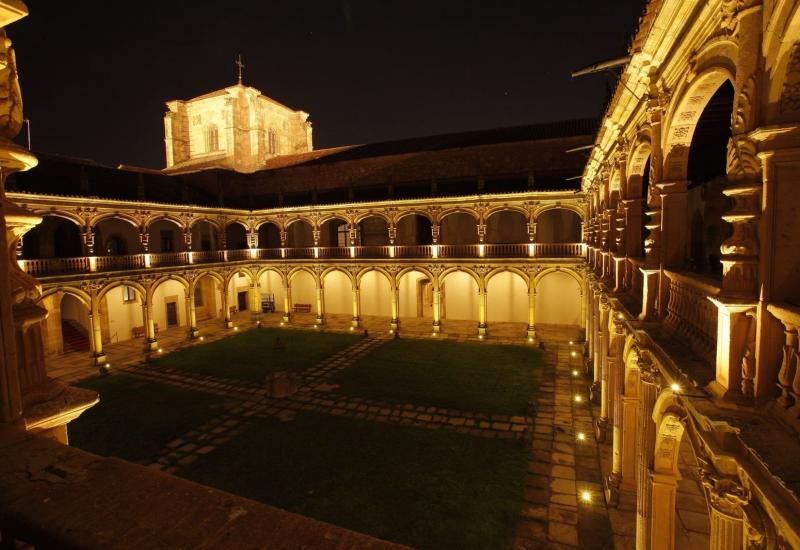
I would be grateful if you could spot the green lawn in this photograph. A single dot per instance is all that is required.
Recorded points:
(473, 377)
(252, 355)
(428, 489)
(135, 419)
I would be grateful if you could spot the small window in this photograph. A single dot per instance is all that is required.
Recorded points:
(273, 142)
(212, 138)
(198, 296)
(128, 294)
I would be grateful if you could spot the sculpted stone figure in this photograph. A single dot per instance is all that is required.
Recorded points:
(10, 96)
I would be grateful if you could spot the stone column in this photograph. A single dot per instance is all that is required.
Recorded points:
(255, 303)
(601, 347)
(356, 323)
(191, 315)
(481, 312)
(97, 337)
(727, 499)
(144, 239)
(151, 343)
(674, 234)
(531, 311)
(320, 304)
(437, 321)
(287, 303)
(646, 429)
(608, 386)
(226, 310)
(395, 322)
(662, 525)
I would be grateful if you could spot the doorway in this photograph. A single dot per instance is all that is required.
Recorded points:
(172, 314)
(242, 298)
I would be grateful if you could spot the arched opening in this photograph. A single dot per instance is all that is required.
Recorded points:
(207, 298)
(506, 227)
(413, 230)
(558, 225)
(373, 231)
(334, 232)
(75, 329)
(376, 294)
(55, 237)
(507, 299)
(558, 300)
(165, 235)
(235, 236)
(706, 174)
(169, 305)
(121, 315)
(272, 292)
(269, 235)
(338, 293)
(238, 293)
(299, 234)
(458, 228)
(459, 297)
(204, 236)
(415, 292)
(116, 237)
(304, 290)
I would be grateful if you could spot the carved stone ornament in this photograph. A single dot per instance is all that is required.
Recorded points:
(482, 270)
(93, 286)
(435, 269)
(790, 93)
(392, 268)
(743, 162)
(743, 114)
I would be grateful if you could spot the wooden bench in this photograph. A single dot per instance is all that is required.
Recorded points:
(138, 332)
(302, 308)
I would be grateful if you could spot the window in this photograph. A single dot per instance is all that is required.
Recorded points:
(342, 235)
(212, 138)
(273, 142)
(198, 296)
(128, 294)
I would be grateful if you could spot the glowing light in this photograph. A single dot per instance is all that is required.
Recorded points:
(620, 316)
(675, 387)
(586, 496)
(351, 328)
(571, 342)
(581, 436)
(574, 373)
(433, 334)
(281, 323)
(108, 365)
(160, 350)
(202, 338)
(316, 326)
(530, 339)
(578, 398)
(391, 331)
(480, 337)
(235, 328)
(573, 354)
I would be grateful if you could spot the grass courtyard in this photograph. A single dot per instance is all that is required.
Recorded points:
(421, 487)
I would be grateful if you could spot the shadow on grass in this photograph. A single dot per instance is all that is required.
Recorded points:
(135, 419)
(487, 378)
(428, 489)
(253, 354)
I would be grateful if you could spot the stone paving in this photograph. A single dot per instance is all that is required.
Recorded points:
(563, 506)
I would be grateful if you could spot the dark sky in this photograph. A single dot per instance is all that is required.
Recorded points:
(95, 74)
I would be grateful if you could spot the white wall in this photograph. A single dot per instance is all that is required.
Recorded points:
(169, 289)
(270, 283)
(558, 300)
(408, 293)
(460, 297)
(236, 285)
(507, 298)
(304, 289)
(338, 293)
(376, 294)
(123, 316)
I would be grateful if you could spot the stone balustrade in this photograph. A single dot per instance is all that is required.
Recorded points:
(89, 264)
(691, 315)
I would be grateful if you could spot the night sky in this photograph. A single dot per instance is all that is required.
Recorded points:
(95, 74)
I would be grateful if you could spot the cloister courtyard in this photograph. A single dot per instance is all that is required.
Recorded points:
(446, 442)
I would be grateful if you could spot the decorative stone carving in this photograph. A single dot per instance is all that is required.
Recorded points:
(744, 114)
(10, 96)
(742, 160)
(790, 93)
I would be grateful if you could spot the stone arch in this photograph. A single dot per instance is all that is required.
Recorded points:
(205, 240)
(235, 272)
(668, 415)
(782, 52)
(214, 223)
(114, 284)
(164, 217)
(414, 290)
(413, 212)
(458, 210)
(458, 226)
(330, 228)
(299, 232)
(507, 296)
(79, 294)
(559, 298)
(558, 225)
(115, 215)
(303, 284)
(116, 234)
(413, 228)
(460, 298)
(168, 239)
(684, 116)
(507, 225)
(234, 293)
(236, 235)
(71, 329)
(77, 220)
(272, 285)
(165, 278)
(213, 274)
(56, 236)
(372, 214)
(207, 300)
(565, 205)
(375, 291)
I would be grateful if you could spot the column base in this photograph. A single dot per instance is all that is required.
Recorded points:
(611, 489)
(151, 345)
(482, 329)
(394, 325)
(99, 359)
(287, 318)
(320, 320)
(531, 331)
(194, 332)
(437, 327)
(600, 429)
(356, 322)
(228, 323)
(594, 392)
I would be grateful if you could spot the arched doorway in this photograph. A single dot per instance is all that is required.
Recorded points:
(458, 228)
(338, 293)
(507, 301)
(269, 235)
(121, 315)
(558, 300)
(207, 298)
(169, 305)
(235, 236)
(272, 292)
(413, 229)
(415, 294)
(506, 227)
(75, 328)
(238, 293)
(459, 297)
(304, 294)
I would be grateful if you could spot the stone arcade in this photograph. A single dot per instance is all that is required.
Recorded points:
(676, 257)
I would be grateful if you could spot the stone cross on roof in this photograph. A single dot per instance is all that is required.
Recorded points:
(240, 65)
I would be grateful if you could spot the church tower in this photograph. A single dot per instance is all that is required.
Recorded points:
(236, 128)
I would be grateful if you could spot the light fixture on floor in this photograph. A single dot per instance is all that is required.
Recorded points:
(235, 328)
(202, 338)
(574, 373)
(586, 496)
(160, 350)
(578, 398)
(581, 436)
(573, 354)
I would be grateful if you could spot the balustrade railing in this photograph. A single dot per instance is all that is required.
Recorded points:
(786, 349)
(64, 266)
(691, 315)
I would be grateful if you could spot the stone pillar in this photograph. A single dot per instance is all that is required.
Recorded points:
(144, 239)
(609, 388)
(151, 343)
(435, 233)
(395, 322)
(646, 429)
(601, 348)
(662, 525)
(226, 310)
(191, 315)
(733, 328)
(320, 320)
(531, 311)
(187, 238)
(88, 241)
(727, 499)
(287, 303)
(255, 302)
(674, 234)
(96, 337)
(481, 312)
(356, 323)
(437, 321)
(650, 295)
